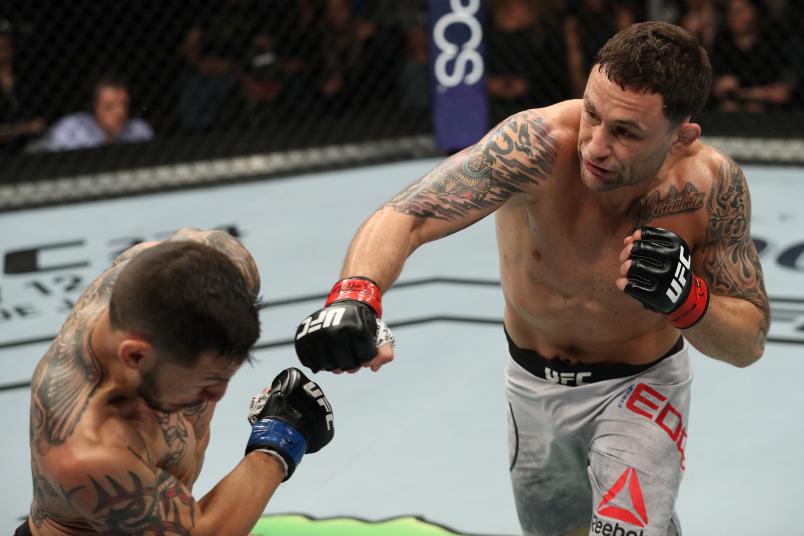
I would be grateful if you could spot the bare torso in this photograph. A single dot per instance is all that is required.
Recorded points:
(559, 246)
(73, 410)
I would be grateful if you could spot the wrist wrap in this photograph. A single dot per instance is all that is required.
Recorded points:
(359, 289)
(692, 310)
(281, 436)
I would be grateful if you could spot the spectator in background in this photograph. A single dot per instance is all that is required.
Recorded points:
(700, 18)
(527, 57)
(298, 45)
(107, 123)
(588, 26)
(345, 40)
(214, 50)
(790, 23)
(752, 72)
(414, 76)
(19, 123)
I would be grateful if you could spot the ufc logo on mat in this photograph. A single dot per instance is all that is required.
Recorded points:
(314, 391)
(325, 319)
(680, 280)
(566, 378)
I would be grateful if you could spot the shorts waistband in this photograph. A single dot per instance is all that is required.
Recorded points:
(564, 373)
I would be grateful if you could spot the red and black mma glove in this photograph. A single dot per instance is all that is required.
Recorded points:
(661, 277)
(347, 331)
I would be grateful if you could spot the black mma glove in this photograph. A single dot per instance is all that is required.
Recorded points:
(347, 332)
(292, 419)
(661, 277)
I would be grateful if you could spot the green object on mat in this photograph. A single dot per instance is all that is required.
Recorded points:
(297, 525)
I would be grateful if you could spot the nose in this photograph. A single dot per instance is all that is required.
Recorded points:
(598, 148)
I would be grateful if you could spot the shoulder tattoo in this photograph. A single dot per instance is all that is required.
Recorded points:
(63, 388)
(518, 152)
(731, 262)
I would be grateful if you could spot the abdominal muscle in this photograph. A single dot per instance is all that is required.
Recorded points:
(561, 301)
(571, 333)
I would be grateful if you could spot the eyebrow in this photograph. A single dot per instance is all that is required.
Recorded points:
(216, 378)
(622, 122)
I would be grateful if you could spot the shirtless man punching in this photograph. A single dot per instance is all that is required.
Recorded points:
(622, 239)
(121, 403)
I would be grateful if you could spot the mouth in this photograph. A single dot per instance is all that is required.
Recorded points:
(597, 170)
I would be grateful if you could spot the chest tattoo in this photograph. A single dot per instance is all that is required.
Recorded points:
(653, 205)
(174, 432)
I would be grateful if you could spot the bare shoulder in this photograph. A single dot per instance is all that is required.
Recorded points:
(728, 201)
(708, 163)
(538, 138)
(117, 489)
(560, 121)
(229, 246)
(564, 115)
(728, 258)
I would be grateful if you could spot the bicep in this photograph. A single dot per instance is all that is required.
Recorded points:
(125, 494)
(729, 261)
(514, 156)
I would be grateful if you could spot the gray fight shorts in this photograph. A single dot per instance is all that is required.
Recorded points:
(598, 446)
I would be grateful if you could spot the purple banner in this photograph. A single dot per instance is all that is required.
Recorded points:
(457, 67)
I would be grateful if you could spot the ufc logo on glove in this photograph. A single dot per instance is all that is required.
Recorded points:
(661, 277)
(677, 285)
(326, 318)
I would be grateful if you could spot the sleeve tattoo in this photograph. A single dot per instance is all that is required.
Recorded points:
(518, 152)
(731, 262)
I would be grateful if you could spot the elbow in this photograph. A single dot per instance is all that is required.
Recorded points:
(746, 359)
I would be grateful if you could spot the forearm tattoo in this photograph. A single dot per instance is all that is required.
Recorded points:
(653, 205)
(519, 152)
(731, 262)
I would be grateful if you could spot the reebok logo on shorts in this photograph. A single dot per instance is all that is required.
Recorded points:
(623, 502)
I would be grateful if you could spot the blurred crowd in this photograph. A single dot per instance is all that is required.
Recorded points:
(540, 51)
(84, 73)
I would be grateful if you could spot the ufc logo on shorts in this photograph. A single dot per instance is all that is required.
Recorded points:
(325, 319)
(566, 378)
(314, 391)
(680, 280)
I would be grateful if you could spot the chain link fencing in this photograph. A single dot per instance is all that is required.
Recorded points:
(196, 92)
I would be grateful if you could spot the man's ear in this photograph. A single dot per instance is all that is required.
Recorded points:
(136, 353)
(685, 135)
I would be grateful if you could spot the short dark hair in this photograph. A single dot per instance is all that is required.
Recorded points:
(106, 79)
(659, 58)
(186, 298)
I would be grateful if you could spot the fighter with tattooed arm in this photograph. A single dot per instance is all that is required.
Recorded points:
(622, 239)
(122, 401)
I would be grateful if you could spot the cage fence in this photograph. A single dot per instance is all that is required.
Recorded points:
(102, 99)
